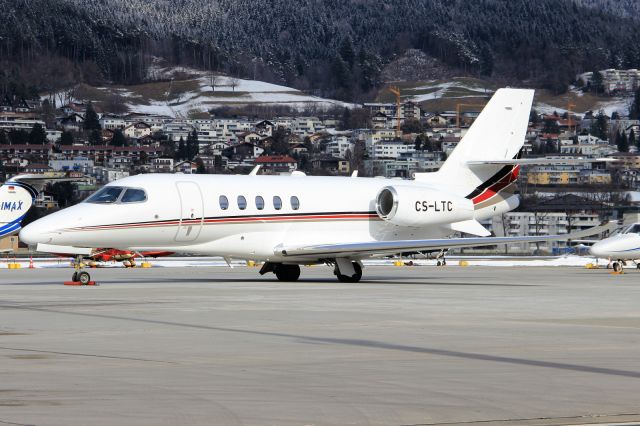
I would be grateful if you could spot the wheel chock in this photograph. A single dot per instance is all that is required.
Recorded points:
(78, 283)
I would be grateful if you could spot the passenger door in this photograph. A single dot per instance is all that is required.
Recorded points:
(191, 211)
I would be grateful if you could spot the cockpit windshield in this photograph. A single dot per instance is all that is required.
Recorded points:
(632, 229)
(107, 195)
(118, 194)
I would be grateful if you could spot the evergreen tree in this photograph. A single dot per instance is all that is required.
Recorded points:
(201, 170)
(182, 150)
(418, 143)
(4, 139)
(346, 51)
(597, 82)
(192, 147)
(346, 119)
(600, 127)
(622, 142)
(95, 137)
(551, 126)
(280, 145)
(91, 121)
(633, 141)
(634, 110)
(18, 137)
(37, 136)
(66, 138)
(119, 138)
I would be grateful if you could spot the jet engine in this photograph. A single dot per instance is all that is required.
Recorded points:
(415, 206)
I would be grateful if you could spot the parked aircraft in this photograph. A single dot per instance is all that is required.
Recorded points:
(620, 247)
(288, 221)
(16, 198)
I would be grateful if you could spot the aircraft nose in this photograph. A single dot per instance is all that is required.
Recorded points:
(599, 249)
(35, 233)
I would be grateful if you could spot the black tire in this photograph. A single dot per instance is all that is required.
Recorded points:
(617, 267)
(84, 277)
(351, 279)
(288, 272)
(439, 263)
(74, 277)
(444, 263)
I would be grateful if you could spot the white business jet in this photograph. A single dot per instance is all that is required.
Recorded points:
(620, 247)
(287, 221)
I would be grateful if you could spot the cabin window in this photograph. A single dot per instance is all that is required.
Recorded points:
(259, 202)
(277, 202)
(133, 195)
(224, 202)
(295, 203)
(107, 195)
(242, 202)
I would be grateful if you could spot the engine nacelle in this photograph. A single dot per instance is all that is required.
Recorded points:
(415, 206)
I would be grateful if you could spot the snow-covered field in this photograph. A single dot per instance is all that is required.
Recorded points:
(485, 261)
(452, 90)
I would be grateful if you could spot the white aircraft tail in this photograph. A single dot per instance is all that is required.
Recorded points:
(16, 198)
(478, 167)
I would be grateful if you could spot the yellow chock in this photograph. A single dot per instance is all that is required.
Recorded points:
(13, 266)
(398, 263)
(145, 265)
(591, 266)
(251, 263)
(617, 273)
(463, 263)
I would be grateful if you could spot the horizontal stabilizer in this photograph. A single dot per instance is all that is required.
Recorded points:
(70, 250)
(472, 227)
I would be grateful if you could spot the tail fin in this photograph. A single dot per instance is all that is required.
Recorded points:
(16, 198)
(497, 134)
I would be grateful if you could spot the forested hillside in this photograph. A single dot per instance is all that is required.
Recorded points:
(333, 47)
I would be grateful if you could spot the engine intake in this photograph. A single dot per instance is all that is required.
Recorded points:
(416, 206)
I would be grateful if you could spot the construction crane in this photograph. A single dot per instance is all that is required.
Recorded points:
(569, 107)
(465, 105)
(396, 91)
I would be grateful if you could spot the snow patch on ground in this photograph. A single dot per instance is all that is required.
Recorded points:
(490, 261)
(446, 90)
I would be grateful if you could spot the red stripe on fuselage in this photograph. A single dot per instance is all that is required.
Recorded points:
(231, 220)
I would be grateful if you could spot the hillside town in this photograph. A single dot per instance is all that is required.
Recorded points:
(88, 142)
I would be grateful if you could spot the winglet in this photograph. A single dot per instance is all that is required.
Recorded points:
(255, 170)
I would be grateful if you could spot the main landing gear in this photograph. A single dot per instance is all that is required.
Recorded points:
(440, 257)
(283, 272)
(346, 270)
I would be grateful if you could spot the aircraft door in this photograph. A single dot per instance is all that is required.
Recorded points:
(191, 211)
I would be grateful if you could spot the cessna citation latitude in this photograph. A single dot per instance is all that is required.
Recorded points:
(620, 247)
(287, 221)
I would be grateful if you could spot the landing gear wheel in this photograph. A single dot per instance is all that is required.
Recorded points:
(617, 267)
(351, 279)
(84, 277)
(638, 265)
(74, 277)
(288, 272)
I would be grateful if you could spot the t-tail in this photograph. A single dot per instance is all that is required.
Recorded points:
(16, 198)
(485, 165)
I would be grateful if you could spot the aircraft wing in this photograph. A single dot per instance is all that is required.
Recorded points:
(381, 248)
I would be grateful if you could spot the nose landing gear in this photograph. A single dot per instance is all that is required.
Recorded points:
(80, 277)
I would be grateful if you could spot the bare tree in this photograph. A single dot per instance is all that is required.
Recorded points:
(234, 82)
(214, 80)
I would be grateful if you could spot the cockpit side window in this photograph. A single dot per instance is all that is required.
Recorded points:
(107, 195)
(633, 229)
(134, 195)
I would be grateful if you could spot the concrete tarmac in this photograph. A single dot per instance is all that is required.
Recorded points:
(406, 346)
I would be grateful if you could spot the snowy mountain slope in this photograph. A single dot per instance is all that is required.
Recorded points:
(181, 98)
